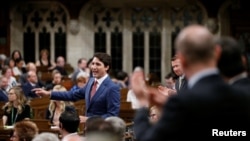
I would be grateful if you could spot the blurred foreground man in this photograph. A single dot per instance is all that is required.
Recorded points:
(209, 107)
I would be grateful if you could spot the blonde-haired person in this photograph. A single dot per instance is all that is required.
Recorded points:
(154, 114)
(56, 107)
(24, 131)
(17, 108)
(81, 80)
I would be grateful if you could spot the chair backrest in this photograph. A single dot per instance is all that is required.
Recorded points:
(39, 107)
(127, 115)
(1, 123)
(126, 111)
(45, 76)
(42, 68)
(124, 92)
(43, 124)
(125, 105)
(67, 83)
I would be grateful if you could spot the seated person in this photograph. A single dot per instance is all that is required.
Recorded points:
(16, 109)
(44, 60)
(69, 123)
(132, 98)
(32, 82)
(57, 107)
(46, 136)
(57, 79)
(81, 80)
(29, 67)
(3, 87)
(97, 128)
(24, 131)
(60, 66)
(122, 79)
(154, 114)
(119, 126)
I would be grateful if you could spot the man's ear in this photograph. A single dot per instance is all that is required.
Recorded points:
(60, 126)
(107, 68)
(217, 52)
(183, 61)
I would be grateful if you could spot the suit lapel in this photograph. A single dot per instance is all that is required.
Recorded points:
(88, 89)
(99, 91)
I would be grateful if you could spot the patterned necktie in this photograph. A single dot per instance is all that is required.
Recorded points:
(93, 90)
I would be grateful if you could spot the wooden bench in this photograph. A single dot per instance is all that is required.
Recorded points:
(45, 76)
(126, 111)
(67, 83)
(39, 107)
(125, 105)
(1, 109)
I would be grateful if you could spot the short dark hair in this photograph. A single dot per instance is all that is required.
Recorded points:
(121, 75)
(80, 60)
(104, 58)
(230, 62)
(171, 75)
(69, 121)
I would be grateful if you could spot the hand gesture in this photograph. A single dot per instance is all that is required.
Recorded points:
(41, 92)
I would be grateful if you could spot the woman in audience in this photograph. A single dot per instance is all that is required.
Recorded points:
(16, 109)
(24, 131)
(16, 55)
(6, 72)
(11, 64)
(56, 107)
(45, 60)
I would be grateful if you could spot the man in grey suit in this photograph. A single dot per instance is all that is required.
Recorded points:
(209, 107)
(101, 94)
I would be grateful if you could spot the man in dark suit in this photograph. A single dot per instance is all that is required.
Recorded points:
(209, 107)
(81, 67)
(181, 82)
(105, 101)
(32, 82)
(3, 86)
(235, 72)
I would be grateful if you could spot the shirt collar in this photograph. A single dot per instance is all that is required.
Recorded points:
(237, 77)
(100, 80)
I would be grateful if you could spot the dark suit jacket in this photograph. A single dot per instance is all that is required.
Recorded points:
(3, 96)
(27, 89)
(105, 102)
(242, 84)
(209, 104)
(183, 85)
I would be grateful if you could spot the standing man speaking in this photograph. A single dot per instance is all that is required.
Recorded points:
(101, 94)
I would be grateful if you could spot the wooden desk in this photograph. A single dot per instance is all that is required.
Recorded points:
(5, 134)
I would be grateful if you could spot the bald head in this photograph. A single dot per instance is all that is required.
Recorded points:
(195, 43)
(31, 67)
